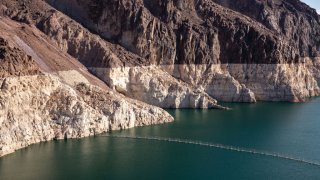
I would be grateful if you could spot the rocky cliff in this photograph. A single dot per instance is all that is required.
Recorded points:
(75, 68)
(45, 94)
(285, 18)
(245, 58)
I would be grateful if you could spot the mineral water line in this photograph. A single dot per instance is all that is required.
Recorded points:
(219, 146)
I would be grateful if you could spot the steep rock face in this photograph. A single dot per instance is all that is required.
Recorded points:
(181, 32)
(213, 79)
(288, 82)
(152, 85)
(41, 108)
(167, 53)
(186, 38)
(122, 70)
(285, 17)
(314, 67)
(43, 98)
(219, 34)
(253, 82)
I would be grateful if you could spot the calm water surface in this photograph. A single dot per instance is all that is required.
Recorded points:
(285, 128)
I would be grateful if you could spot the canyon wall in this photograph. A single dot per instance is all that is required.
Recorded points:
(76, 68)
(229, 56)
(45, 94)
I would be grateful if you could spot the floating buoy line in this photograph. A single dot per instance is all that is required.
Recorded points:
(218, 146)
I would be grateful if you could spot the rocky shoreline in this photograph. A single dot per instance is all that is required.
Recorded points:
(76, 68)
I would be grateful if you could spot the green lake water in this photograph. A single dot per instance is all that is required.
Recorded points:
(286, 128)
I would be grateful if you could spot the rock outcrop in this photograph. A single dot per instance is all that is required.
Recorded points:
(76, 68)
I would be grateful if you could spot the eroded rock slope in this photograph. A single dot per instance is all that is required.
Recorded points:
(46, 94)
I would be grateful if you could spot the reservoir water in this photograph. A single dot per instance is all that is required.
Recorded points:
(282, 129)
